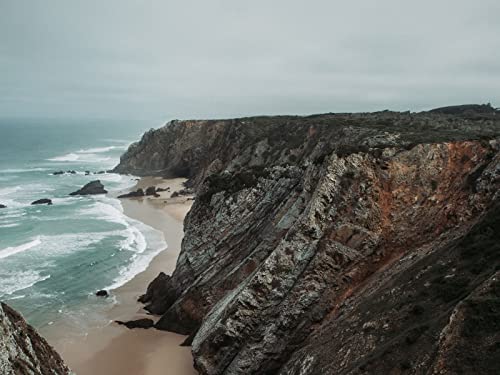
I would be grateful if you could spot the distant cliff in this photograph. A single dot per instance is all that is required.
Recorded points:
(334, 244)
(23, 351)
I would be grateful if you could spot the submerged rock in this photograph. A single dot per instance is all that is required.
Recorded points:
(92, 188)
(102, 293)
(3, 206)
(139, 323)
(42, 201)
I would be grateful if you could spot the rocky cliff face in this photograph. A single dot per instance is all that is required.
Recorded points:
(23, 351)
(334, 244)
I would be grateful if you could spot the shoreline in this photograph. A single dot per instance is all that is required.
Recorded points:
(115, 349)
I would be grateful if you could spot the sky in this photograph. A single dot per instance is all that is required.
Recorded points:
(164, 59)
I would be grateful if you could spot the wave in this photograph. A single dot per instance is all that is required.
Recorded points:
(135, 241)
(9, 190)
(15, 281)
(23, 170)
(9, 251)
(141, 260)
(89, 155)
(11, 225)
(142, 240)
(97, 150)
(82, 157)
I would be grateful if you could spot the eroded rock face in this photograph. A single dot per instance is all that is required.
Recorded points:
(23, 351)
(331, 244)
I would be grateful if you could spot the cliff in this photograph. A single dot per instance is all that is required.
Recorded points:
(336, 243)
(23, 351)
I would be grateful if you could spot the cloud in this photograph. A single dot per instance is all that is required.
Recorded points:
(180, 59)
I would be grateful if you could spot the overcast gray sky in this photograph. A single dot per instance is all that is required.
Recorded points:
(200, 59)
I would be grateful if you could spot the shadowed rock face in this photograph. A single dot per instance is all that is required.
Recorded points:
(23, 351)
(333, 244)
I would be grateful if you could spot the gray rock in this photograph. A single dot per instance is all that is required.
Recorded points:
(42, 201)
(133, 194)
(23, 351)
(139, 323)
(92, 188)
(320, 244)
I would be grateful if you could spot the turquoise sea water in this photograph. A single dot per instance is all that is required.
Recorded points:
(54, 258)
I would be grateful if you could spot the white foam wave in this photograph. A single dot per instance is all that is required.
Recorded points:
(61, 244)
(80, 157)
(23, 170)
(9, 190)
(141, 261)
(105, 210)
(134, 241)
(97, 150)
(14, 281)
(9, 251)
(11, 225)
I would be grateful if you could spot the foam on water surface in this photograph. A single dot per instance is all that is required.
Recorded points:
(54, 258)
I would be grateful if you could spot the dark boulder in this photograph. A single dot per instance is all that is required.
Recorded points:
(101, 172)
(87, 173)
(71, 172)
(102, 293)
(2, 206)
(57, 173)
(151, 190)
(92, 188)
(139, 323)
(159, 190)
(133, 194)
(42, 201)
(186, 191)
(156, 292)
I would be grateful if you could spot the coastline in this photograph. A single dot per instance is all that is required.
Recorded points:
(115, 349)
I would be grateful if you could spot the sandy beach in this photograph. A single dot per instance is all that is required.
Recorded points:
(114, 349)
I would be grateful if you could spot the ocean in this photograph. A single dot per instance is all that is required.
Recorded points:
(54, 258)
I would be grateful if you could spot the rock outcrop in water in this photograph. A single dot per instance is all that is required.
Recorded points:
(336, 243)
(42, 201)
(92, 188)
(23, 351)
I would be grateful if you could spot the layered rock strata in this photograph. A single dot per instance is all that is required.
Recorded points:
(23, 351)
(334, 244)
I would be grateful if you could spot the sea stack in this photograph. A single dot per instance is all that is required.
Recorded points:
(92, 188)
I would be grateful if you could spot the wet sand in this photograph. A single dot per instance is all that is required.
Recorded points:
(114, 349)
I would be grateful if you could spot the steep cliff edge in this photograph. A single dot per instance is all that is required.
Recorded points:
(23, 351)
(334, 244)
